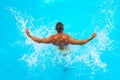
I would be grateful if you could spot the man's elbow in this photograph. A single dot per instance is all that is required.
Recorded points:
(36, 40)
(82, 42)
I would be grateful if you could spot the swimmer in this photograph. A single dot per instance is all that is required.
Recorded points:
(60, 39)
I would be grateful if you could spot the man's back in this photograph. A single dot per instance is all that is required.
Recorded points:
(60, 39)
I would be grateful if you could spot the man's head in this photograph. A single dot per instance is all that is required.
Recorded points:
(59, 27)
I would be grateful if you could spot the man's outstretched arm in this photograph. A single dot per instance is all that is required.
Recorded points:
(36, 39)
(81, 42)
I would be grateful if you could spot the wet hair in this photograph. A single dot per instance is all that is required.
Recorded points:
(59, 27)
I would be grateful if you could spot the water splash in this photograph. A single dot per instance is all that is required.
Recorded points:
(81, 57)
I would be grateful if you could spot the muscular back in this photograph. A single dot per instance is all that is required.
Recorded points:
(60, 39)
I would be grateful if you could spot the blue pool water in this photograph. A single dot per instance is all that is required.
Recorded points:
(23, 59)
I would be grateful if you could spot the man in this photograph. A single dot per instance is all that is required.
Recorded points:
(60, 39)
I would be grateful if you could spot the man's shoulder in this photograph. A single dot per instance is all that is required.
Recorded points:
(67, 35)
(53, 35)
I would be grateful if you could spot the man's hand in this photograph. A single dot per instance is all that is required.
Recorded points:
(93, 36)
(27, 32)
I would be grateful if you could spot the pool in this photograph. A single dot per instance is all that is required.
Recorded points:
(23, 59)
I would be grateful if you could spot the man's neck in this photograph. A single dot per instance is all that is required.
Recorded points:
(60, 33)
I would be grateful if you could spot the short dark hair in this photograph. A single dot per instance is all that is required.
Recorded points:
(59, 28)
